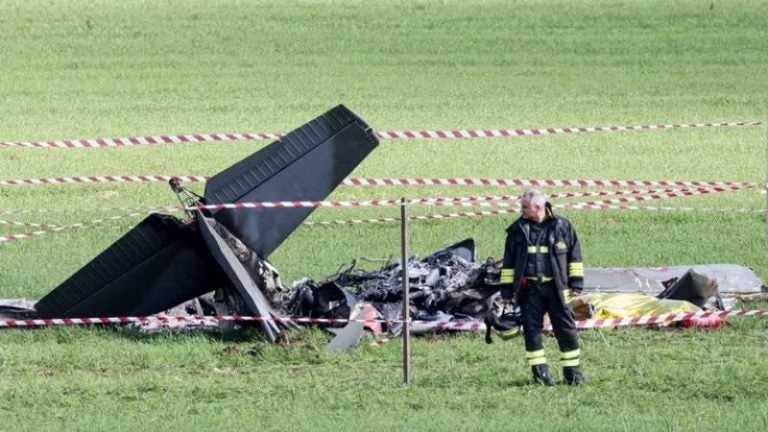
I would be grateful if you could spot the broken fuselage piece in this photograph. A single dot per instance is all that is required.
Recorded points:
(165, 261)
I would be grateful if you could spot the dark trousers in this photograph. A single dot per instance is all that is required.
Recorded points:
(535, 301)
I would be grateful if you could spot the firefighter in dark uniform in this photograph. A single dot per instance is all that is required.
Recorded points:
(543, 271)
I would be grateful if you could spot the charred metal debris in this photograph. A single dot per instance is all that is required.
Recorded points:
(214, 262)
(445, 286)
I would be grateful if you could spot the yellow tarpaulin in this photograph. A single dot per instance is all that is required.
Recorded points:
(619, 305)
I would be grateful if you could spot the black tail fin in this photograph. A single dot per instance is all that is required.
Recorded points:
(163, 262)
(305, 165)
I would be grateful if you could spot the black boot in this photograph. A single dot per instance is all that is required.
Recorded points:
(573, 376)
(541, 375)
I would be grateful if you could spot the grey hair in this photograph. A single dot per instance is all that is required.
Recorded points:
(534, 197)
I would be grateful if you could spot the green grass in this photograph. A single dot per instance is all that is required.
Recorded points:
(82, 69)
(639, 380)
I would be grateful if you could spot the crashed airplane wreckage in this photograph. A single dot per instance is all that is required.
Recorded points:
(165, 261)
(450, 286)
(167, 264)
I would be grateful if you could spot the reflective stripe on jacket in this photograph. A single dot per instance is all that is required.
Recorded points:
(562, 246)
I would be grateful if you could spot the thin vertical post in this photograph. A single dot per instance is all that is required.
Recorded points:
(406, 293)
(765, 182)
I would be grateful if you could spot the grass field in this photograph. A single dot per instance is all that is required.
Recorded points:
(81, 69)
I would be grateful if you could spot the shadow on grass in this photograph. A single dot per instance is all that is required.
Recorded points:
(238, 336)
(522, 382)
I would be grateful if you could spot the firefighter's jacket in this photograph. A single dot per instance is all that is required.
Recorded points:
(560, 244)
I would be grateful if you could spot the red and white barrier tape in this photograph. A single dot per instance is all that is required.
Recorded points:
(385, 135)
(157, 209)
(43, 211)
(80, 180)
(437, 201)
(685, 209)
(520, 182)
(620, 201)
(373, 181)
(555, 195)
(148, 140)
(473, 325)
(456, 201)
(27, 224)
(504, 133)
(7, 238)
(51, 229)
(444, 201)
(603, 204)
(437, 216)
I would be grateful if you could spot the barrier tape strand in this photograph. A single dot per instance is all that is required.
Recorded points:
(384, 135)
(468, 199)
(374, 181)
(443, 325)
(454, 201)
(441, 201)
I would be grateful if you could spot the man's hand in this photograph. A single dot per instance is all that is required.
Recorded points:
(570, 294)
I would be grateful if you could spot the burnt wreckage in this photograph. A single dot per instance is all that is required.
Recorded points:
(165, 261)
(445, 285)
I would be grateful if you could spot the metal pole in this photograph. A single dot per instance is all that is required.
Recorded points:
(406, 293)
(765, 181)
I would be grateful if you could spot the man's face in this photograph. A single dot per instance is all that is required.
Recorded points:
(528, 210)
